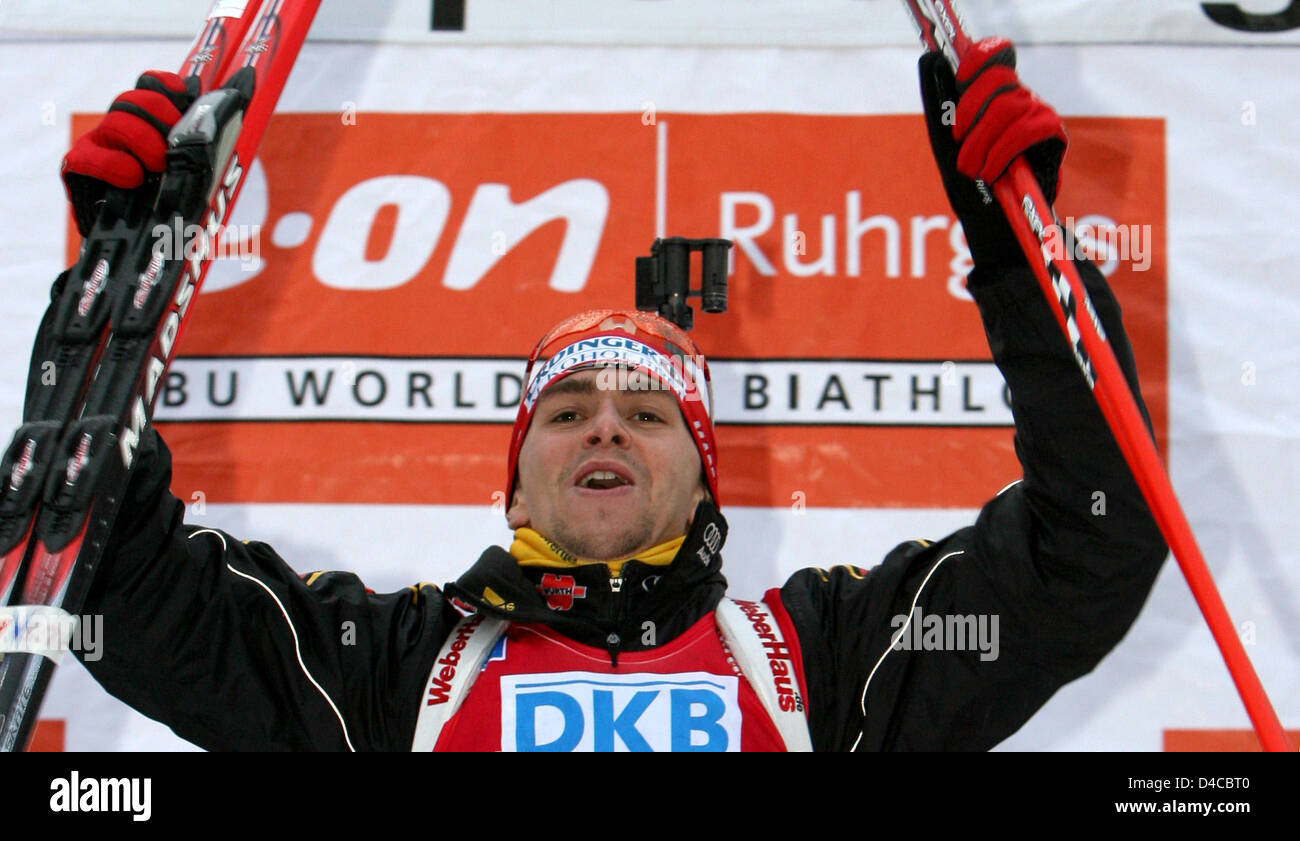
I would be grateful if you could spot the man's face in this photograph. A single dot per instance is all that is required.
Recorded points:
(606, 473)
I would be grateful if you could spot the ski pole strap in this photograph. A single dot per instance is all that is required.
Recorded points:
(779, 693)
(458, 665)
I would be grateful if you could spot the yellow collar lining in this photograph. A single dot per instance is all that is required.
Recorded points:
(531, 549)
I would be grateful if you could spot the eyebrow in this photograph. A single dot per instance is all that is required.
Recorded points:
(570, 385)
(589, 385)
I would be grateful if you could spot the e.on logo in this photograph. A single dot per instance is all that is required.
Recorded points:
(426, 234)
(416, 208)
(588, 711)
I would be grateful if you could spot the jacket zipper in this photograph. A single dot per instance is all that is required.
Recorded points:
(614, 642)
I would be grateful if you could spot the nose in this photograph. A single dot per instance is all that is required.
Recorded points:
(608, 425)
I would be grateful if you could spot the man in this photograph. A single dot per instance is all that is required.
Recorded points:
(604, 627)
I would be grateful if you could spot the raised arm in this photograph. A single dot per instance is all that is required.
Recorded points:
(1051, 577)
(218, 638)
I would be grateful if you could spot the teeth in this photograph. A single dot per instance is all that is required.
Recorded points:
(600, 476)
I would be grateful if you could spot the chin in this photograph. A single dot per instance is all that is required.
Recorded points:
(611, 547)
(608, 540)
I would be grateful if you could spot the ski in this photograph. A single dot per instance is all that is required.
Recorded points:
(80, 335)
(118, 318)
(943, 29)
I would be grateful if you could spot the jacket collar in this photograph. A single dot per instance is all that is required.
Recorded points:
(587, 605)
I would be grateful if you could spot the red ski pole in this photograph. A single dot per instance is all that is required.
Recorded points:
(1035, 224)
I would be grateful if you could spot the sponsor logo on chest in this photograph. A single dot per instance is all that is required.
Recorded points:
(590, 711)
(560, 590)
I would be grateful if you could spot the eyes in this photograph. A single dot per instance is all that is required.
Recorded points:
(640, 416)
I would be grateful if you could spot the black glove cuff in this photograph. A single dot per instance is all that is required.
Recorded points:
(86, 195)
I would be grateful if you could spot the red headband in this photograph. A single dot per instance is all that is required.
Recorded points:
(625, 340)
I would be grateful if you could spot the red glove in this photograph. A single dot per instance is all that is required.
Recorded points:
(129, 143)
(998, 118)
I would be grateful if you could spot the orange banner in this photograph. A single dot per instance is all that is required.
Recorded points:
(1219, 741)
(392, 269)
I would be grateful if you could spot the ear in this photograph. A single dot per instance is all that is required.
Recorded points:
(517, 514)
(701, 492)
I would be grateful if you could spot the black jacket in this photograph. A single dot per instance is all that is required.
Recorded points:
(229, 646)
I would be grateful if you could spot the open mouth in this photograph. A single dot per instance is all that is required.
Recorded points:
(602, 478)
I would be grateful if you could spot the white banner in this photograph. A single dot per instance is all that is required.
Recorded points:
(1233, 305)
(439, 390)
(825, 23)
